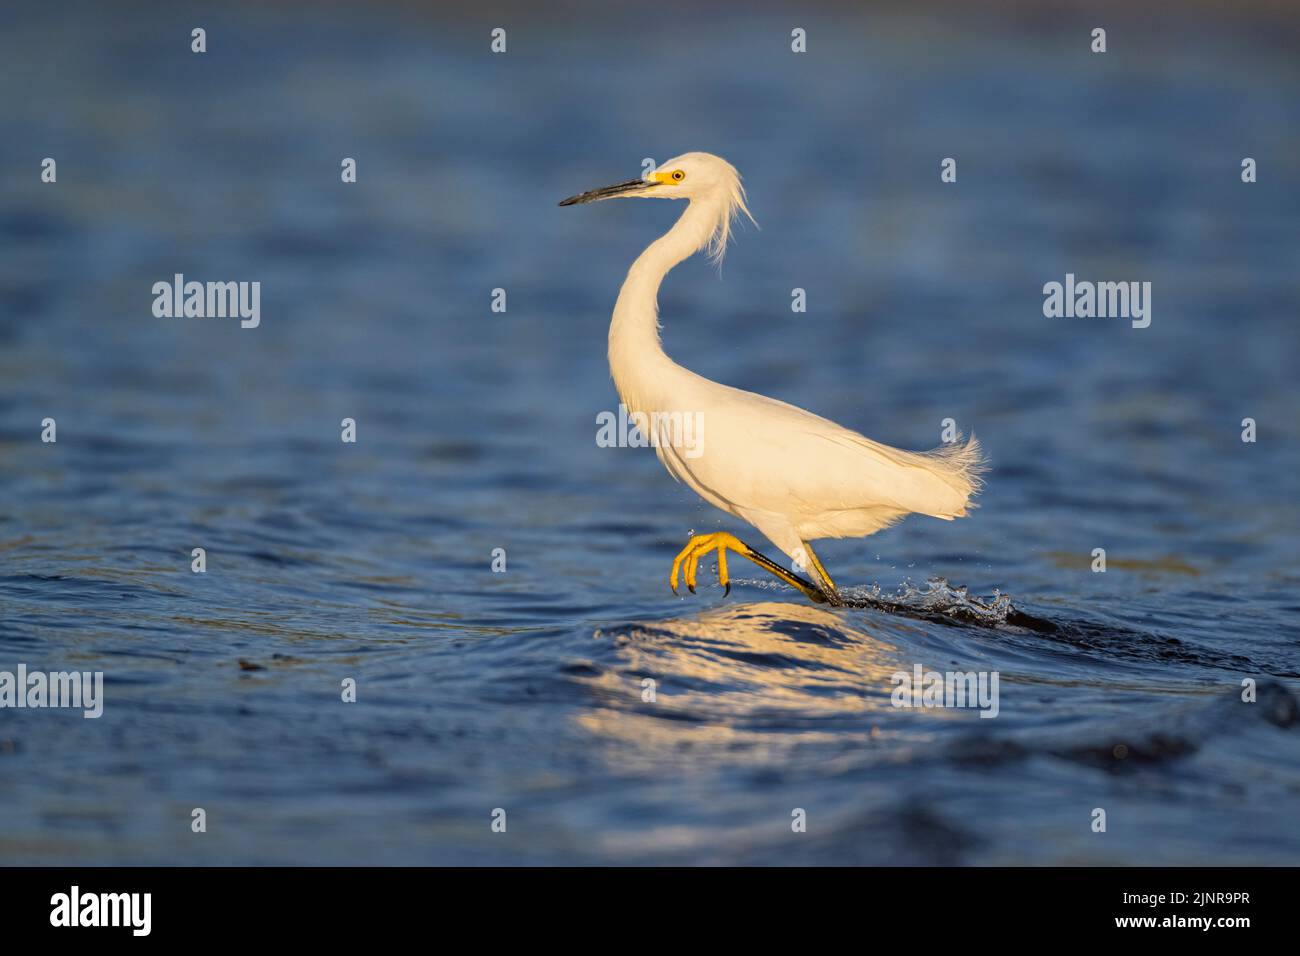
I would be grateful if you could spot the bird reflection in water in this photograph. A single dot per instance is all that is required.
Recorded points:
(742, 682)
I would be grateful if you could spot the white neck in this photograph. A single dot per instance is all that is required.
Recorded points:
(635, 354)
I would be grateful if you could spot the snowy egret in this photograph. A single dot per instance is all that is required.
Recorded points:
(793, 475)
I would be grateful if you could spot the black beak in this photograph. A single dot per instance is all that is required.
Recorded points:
(608, 192)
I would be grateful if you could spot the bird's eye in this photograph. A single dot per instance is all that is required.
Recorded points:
(678, 175)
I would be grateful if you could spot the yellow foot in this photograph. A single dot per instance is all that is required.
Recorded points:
(720, 541)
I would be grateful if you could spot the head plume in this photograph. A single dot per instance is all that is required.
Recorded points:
(732, 207)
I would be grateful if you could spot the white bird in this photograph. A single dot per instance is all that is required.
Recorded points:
(793, 475)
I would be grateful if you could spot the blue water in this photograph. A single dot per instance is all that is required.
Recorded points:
(523, 690)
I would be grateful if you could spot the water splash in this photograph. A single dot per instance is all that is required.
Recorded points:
(937, 597)
(937, 601)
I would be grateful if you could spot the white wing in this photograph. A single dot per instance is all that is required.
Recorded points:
(773, 464)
